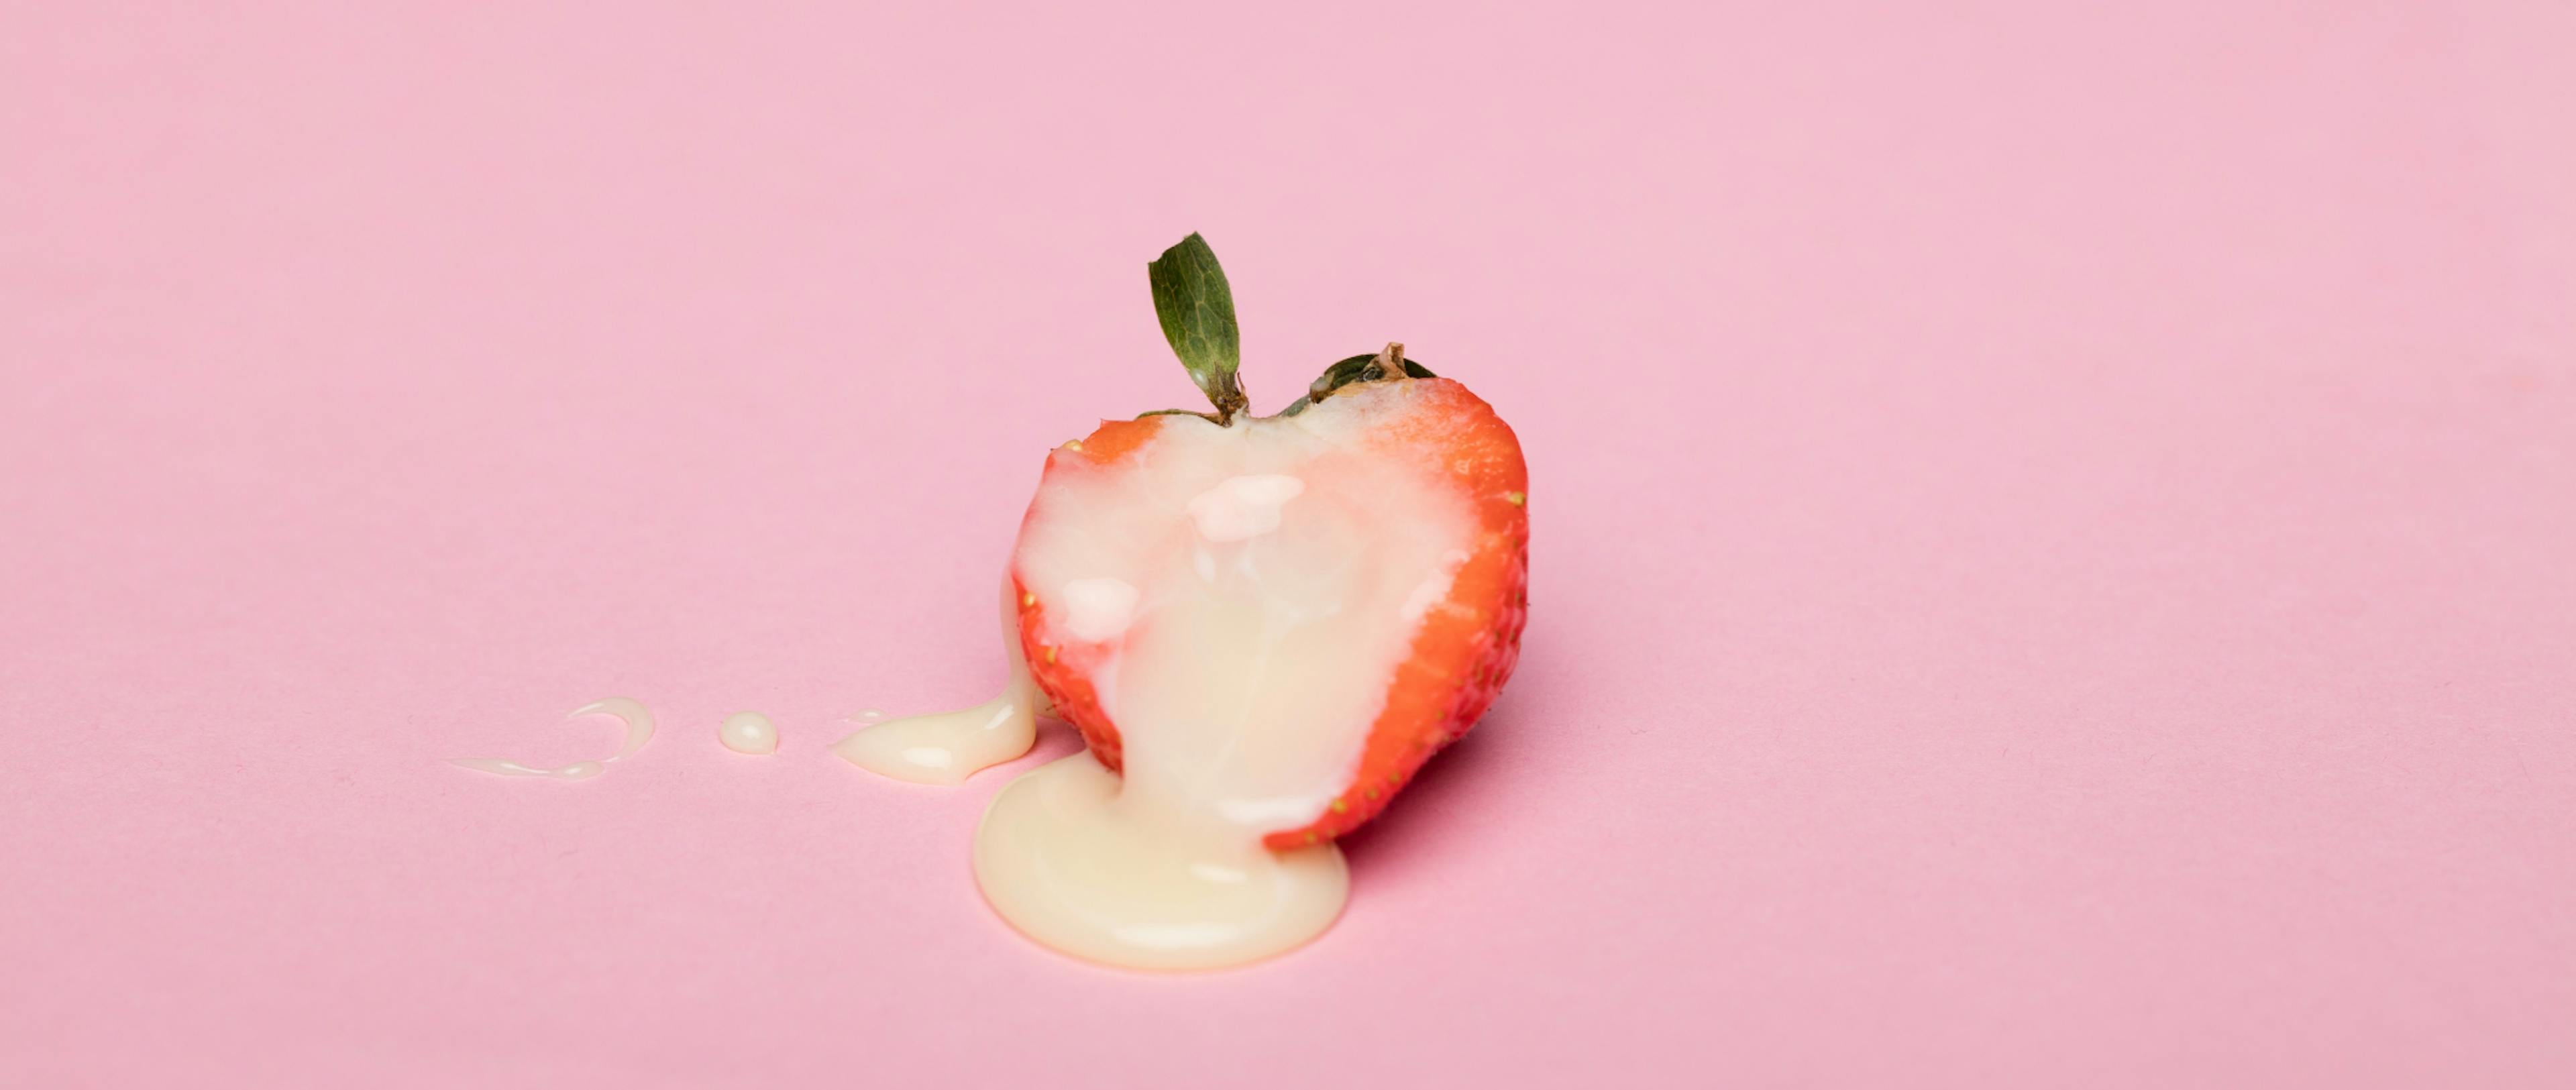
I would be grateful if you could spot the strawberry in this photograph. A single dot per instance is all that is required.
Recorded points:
(1275, 621)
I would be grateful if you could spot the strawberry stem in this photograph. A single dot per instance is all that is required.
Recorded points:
(1387, 365)
(1196, 309)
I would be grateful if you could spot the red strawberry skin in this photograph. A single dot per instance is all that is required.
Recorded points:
(1466, 647)
(1066, 680)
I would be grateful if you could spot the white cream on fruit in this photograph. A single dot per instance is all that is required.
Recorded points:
(1278, 575)
(1098, 609)
(1243, 507)
(1434, 588)
(748, 732)
(639, 730)
(947, 747)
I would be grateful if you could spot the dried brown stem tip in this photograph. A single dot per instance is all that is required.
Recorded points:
(1390, 363)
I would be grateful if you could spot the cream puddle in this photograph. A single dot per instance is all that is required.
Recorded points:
(946, 747)
(1069, 861)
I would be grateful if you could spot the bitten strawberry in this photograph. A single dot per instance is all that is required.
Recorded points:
(1275, 621)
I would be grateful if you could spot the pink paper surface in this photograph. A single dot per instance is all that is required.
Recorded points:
(2055, 533)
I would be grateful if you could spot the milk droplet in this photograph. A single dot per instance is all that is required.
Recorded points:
(748, 732)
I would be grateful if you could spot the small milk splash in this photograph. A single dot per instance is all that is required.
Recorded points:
(639, 730)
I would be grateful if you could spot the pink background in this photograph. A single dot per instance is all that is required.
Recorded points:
(2055, 562)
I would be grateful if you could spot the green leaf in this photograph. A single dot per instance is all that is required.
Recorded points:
(1355, 369)
(1197, 311)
